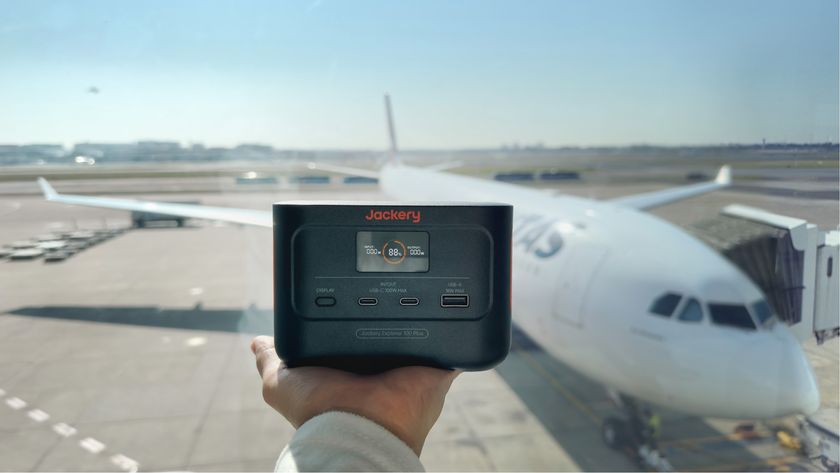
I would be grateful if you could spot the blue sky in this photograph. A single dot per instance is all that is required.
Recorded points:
(311, 74)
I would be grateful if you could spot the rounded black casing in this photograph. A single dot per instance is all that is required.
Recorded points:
(417, 261)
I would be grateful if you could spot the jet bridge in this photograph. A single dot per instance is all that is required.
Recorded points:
(792, 261)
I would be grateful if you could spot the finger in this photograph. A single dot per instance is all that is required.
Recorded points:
(441, 380)
(449, 378)
(444, 374)
(266, 357)
(261, 341)
(425, 377)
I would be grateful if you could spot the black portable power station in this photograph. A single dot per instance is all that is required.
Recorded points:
(370, 287)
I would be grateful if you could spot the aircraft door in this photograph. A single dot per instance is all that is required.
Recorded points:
(573, 282)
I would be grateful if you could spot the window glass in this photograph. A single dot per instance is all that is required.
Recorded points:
(692, 312)
(237, 105)
(762, 311)
(732, 315)
(665, 304)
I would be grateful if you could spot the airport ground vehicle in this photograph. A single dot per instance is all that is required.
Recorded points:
(820, 443)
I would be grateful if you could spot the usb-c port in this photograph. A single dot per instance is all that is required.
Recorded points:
(368, 301)
(455, 301)
(409, 301)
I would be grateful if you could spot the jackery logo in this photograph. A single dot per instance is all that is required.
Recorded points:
(412, 216)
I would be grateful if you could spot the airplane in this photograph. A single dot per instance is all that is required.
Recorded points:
(620, 295)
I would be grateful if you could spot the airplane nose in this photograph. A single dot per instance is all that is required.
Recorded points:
(777, 379)
(807, 392)
(799, 391)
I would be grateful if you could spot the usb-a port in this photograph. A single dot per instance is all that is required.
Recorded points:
(409, 301)
(368, 301)
(455, 301)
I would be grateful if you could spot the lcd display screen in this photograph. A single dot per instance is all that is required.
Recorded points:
(392, 252)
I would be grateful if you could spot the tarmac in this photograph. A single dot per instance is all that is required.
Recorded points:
(133, 354)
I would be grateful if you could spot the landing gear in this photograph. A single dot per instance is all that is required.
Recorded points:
(636, 434)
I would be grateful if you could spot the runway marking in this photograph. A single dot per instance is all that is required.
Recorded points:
(195, 341)
(548, 376)
(125, 463)
(38, 415)
(92, 445)
(64, 430)
(16, 403)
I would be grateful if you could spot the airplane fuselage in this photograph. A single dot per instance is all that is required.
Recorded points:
(585, 276)
(620, 295)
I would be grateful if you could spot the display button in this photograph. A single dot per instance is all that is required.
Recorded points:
(325, 301)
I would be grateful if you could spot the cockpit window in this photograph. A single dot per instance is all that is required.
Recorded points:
(692, 312)
(665, 304)
(731, 315)
(762, 311)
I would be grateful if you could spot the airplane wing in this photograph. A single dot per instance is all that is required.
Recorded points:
(444, 166)
(353, 171)
(649, 200)
(260, 218)
(343, 170)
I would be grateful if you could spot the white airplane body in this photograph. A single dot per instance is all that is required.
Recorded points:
(585, 275)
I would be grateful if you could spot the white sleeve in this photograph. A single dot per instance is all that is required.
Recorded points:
(339, 441)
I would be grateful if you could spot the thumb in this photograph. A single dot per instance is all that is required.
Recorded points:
(266, 357)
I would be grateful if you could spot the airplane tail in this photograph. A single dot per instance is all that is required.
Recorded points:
(392, 133)
(393, 157)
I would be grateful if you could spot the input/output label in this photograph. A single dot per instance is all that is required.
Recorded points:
(368, 301)
(460, 300)
(409, 301)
